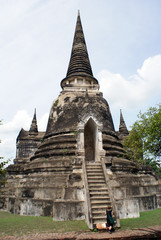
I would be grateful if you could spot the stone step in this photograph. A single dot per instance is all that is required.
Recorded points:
(96, 181)
(93, 163)
(99, 208)
(98, 201)
(103, 203)
(100, 198)
(96, 193)
(98, 190)
(98, 186)
(103, 216)
(97, 196)
(96, 171)
(91, 174)
(99, 219)
(99, 212)
(94, 167)
(96, 177)
(94, 174)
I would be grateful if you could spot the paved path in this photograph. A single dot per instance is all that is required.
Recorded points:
(142, 233)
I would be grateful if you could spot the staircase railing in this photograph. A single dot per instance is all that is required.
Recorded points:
(110, 193)
(88, 203)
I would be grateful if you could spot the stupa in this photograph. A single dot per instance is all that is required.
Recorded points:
(75, 169)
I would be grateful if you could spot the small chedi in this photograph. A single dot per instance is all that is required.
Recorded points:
(75, 169)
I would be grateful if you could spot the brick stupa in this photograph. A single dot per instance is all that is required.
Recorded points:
(75, 169)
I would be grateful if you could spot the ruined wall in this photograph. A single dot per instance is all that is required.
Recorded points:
(134, 193)
(47, 185)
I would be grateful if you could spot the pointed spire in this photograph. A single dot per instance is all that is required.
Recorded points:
(79, 64)
(122, 127)
(22, 134)
(33, 128)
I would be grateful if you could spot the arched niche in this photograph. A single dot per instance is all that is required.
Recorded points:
(90, 140)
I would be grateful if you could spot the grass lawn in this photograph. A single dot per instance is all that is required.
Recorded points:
(16, 225)
(150, 218)
(13, 225)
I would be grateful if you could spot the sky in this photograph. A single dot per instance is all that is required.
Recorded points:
(123, 39)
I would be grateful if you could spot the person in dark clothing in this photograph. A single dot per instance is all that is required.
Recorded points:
(110, 220)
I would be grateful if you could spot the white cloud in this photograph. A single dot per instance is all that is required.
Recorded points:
(151, 73)
(137, 89)
(21, 119)
(43, 122)
(8, 148)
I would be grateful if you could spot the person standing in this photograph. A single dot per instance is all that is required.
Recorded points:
(110, 220)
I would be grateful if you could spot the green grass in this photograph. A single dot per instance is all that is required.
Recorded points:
(16, 225)
(150, 218)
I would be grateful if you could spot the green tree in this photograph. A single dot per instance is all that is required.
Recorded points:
(143, 145)
(2, 171)
(2, 168)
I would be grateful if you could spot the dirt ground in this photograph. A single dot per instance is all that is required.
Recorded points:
(142, 233)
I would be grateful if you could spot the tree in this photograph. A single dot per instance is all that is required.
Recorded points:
(2, 172)
(2, 168)
(143, 145)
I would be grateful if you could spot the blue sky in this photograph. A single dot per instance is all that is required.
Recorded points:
(124, 44)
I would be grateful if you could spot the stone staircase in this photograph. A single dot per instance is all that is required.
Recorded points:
(98, 192)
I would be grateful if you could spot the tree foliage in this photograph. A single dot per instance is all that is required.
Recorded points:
(143, 145)
(2, 171)
(2, 168)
